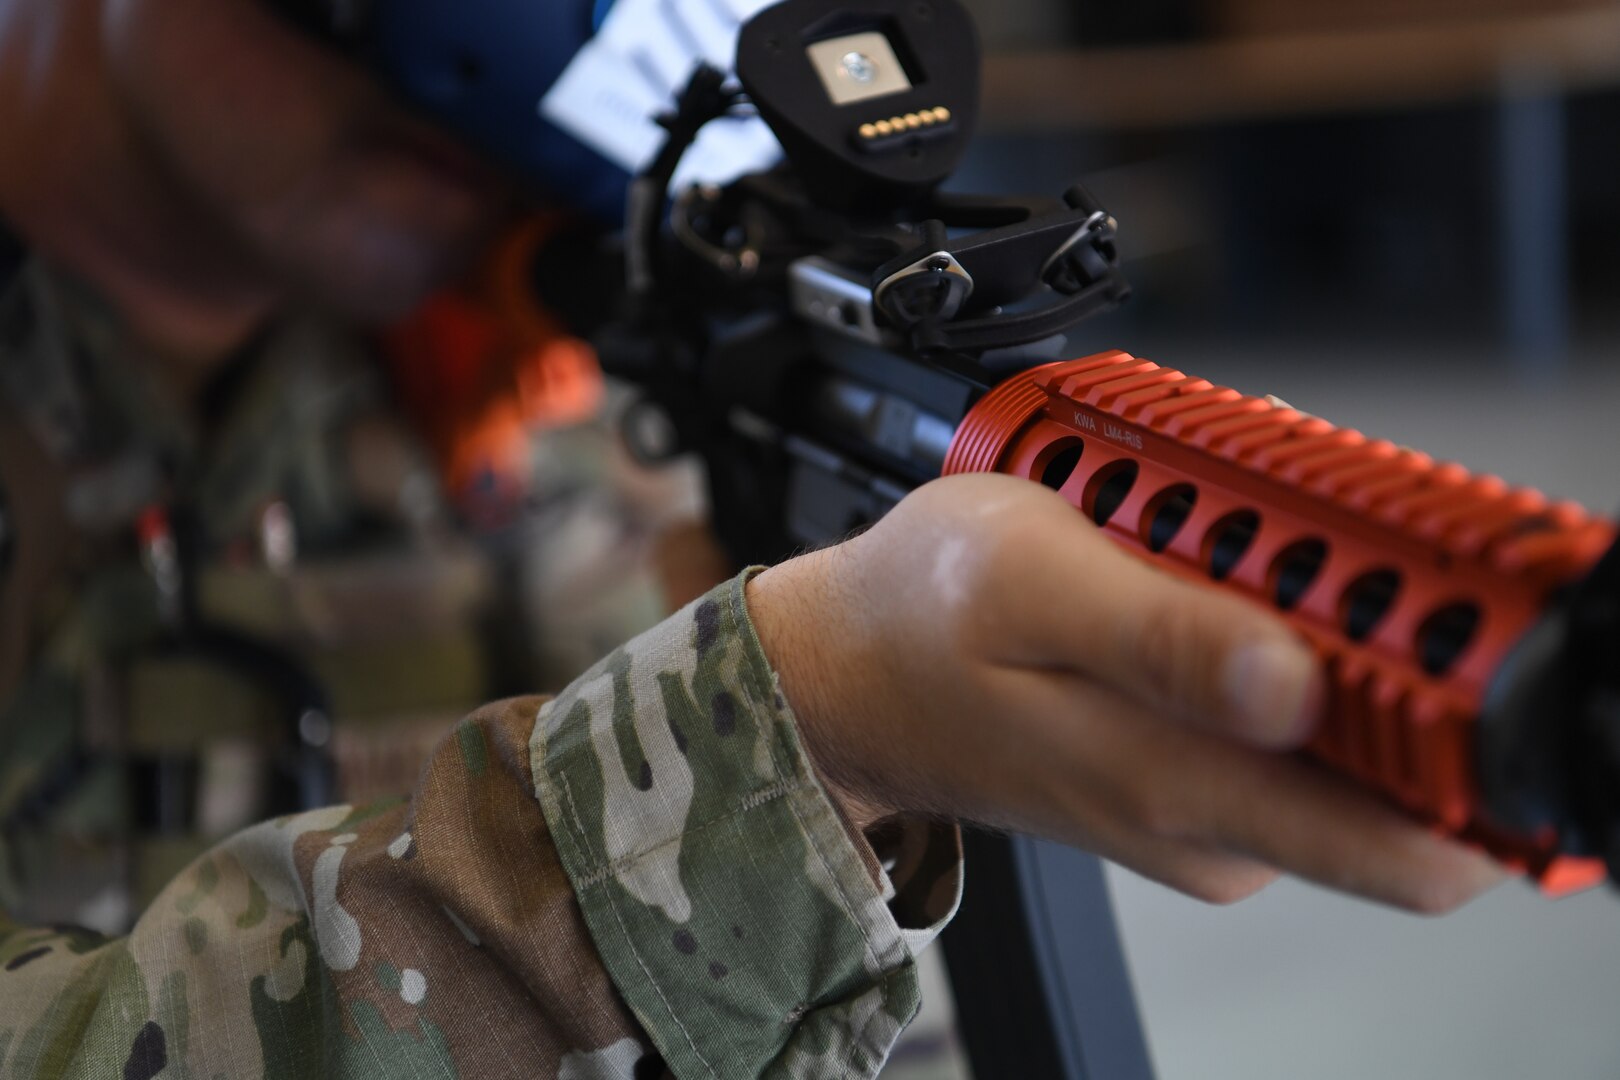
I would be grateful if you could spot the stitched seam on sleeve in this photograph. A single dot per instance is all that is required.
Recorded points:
(630, 941)
(753, 801)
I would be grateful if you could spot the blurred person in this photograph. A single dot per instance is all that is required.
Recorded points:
(719, 851)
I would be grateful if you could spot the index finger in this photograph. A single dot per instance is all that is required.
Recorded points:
(1194, 652)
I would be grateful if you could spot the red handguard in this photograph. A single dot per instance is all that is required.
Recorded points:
(1412, 579)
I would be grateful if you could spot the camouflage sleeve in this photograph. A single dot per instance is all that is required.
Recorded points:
(688, 896)
(747, 930)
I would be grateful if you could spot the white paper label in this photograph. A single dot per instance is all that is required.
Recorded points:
(632, 70)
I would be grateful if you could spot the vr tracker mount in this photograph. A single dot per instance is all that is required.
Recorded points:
(874, 108)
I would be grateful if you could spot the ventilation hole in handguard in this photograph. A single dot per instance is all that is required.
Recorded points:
(1445, 635)
(1367, 601)
(1294, 570)
(1108, 490)
(1167, 513)
(1229, 541)
(1061, 460)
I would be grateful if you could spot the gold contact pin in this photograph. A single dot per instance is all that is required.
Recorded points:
(896, 125)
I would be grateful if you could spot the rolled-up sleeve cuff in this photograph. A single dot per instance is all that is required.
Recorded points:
(737, 916)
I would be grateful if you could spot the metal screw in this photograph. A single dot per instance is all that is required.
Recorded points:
(859, 67)
(939, 262)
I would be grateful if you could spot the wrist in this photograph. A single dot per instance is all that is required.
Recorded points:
(801, 621)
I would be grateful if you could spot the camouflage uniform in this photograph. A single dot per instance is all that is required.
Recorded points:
(640, 876)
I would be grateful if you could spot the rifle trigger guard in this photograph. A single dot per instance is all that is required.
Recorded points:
(936, 286)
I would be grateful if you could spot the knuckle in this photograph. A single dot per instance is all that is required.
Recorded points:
(1009, 541)
(990, 573)
(1171, 656)
(969, 570)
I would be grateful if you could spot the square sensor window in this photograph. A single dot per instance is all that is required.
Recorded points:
(858, 67)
